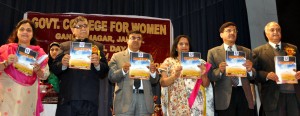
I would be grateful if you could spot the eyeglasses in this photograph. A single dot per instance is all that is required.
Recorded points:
(23, 29)
(229, 31)
(54, 49)
(81, 26)
(135, 38)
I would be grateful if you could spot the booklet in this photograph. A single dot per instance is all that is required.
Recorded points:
(235, 61)
(80, 53)
(26, 57)
(285, 69)
(139, 62)
(189, 63)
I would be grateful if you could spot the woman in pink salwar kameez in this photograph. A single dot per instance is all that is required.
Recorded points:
(19, 91)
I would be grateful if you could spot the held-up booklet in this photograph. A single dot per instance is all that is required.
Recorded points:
(80, 53)
(285, 69)
(235, 61)
(26, 57)
(139, 62)
(189, 63)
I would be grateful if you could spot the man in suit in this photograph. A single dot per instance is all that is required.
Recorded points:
(130, 100)
(79, 89)
(233, 96)
(277, 99)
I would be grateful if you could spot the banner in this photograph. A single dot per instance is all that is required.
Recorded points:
(110, 30)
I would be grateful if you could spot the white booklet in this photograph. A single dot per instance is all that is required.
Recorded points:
(139, 62)
(285, 69)
(80, 53)
(235, 61)
(26, 57)
(189, 62)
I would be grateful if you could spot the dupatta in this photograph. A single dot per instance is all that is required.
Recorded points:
(195, 91)
(19, 77)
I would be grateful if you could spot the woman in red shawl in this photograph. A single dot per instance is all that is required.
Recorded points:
(19, 92)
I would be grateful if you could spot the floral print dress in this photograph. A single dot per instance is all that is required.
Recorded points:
(174, 98)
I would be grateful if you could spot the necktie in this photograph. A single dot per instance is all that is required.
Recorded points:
(277, 47)
(234, 80)
(137, 83)
(229, 48)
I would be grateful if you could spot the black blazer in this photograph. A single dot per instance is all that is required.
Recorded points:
(264, 63)
(76, 84)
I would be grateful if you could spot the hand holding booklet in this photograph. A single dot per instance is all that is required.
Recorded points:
(189, 63)
(285, 69)
(26, 57)
(139, 62)
(80, 53)
(235, 61)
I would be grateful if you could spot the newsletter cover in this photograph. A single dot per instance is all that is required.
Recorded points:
(139, 62)
(235, 61)
(80, 53)
(285, 69)
(189, 63)
(26, 57)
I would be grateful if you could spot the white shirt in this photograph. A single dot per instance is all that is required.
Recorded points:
(274, 45)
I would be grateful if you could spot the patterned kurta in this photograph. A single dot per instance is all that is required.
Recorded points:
(174, 98)
(17, 99)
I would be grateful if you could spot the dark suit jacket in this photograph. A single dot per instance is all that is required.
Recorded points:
(76, 84)
(264, 63)
(222, 84)
(124, 85)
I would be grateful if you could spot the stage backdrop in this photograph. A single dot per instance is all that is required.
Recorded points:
(111, 30)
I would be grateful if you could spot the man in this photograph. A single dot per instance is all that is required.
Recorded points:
(231, 99)
(128, 99)
(277, 99)
(79, 89)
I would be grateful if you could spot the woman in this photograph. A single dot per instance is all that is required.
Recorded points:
(19, 92)
(177, 93)
(50, 87)
(54, 49)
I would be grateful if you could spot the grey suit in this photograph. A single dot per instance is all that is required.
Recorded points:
(124, 85)
(264, 63)
(223, 86)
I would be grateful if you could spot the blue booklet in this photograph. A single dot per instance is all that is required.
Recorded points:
(235, 61)
(285, 69)
(26, 57)
(80, 53)
(139, 62)
(189, 63)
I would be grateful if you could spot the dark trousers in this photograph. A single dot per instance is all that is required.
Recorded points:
(238, 104)
(77, 108)
(288, 105)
